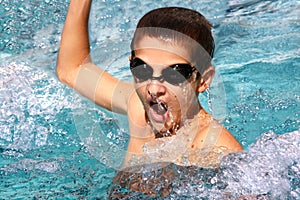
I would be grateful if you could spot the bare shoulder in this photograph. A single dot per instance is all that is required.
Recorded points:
(212, 133)
(228, 141)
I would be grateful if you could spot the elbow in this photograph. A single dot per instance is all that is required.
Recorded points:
(63, 75)
(60, 73)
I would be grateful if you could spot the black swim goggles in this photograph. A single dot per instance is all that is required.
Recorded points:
(174, 74)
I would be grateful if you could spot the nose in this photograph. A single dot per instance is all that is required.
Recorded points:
(155, 89)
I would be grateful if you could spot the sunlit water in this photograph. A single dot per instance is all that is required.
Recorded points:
(43, 156)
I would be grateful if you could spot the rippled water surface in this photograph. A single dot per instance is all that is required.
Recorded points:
(42, 122)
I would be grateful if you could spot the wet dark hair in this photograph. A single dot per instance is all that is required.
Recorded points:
(185, 21)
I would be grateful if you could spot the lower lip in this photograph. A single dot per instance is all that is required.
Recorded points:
(158, 118)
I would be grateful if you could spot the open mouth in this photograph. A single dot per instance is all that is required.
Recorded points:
(159, 107)
(158, 110)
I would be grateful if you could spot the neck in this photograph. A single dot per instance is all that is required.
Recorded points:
(159, 133)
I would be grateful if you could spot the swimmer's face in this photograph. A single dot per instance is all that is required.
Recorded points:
(171, 98)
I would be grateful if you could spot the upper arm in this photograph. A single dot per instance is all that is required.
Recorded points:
(100, 87)
(74, 66)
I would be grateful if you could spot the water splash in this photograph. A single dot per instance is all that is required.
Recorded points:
(30, 101)
(269, 170)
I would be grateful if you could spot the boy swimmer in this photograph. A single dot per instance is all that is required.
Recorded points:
(170, 63)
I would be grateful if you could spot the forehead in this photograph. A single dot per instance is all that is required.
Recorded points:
(157, 51)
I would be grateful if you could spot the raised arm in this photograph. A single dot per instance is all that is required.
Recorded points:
(74, 45)
(74, 66)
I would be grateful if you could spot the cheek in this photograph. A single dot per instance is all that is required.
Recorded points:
(141, 91)
(187, 94)
(178, 100)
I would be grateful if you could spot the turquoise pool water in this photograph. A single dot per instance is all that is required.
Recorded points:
(42, 122)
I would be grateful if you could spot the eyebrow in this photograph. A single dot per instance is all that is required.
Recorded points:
(170, 65)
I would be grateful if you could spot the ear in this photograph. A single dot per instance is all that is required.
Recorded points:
(206, 79)
(130, 58)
